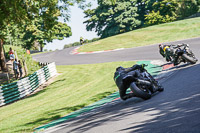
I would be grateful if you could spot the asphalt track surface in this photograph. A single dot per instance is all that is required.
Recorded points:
(176, 110)
(63, 57)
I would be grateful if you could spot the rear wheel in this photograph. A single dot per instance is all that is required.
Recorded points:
(190, 59)
(140, 91)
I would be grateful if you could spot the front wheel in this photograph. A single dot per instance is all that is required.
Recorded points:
(190, 59)
(141, 92)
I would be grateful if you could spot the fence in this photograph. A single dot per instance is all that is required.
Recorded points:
(194, 15)
(17, 90)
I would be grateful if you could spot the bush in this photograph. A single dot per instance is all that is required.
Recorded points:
(155, 18)
(78, 43)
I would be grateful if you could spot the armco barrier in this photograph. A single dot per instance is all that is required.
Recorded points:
(17, 90)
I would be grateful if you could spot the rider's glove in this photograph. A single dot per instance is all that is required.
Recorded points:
(142, 67)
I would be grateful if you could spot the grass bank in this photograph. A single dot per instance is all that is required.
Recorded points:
(167, 32)
(76, 87)
(39, 53)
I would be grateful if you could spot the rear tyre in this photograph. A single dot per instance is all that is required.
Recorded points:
(140, 92)
(189, 58)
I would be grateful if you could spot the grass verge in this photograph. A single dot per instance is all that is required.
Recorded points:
(184, 29)
(76, 87)
(39, 53)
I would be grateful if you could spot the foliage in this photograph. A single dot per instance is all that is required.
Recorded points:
(40, 30)
(78, 43)
(166, 7)
(39, 34)
(155, 18)
(39, 17)
(110, 19)
(163, 11)
(113, 1)
(113, 17)
(13, 35)
(71, 45)
(188, 8)
(24, 12)
(144, 6)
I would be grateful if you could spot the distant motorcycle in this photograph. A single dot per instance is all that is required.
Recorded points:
(178, 53)
(142, 86)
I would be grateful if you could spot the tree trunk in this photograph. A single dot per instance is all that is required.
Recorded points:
(2, 57)
(41, 47)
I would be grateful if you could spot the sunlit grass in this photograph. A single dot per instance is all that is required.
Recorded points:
(178, 30)
(76, 87)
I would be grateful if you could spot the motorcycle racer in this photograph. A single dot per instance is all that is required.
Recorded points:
(129, 74)
(165, 51)
(169, 52)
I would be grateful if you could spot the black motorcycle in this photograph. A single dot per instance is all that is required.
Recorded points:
(142, 86)
(180, 53)
(184, 54)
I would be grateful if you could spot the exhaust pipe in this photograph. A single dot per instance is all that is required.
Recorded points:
(140, 81)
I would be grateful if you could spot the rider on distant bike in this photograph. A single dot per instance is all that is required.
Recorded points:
(165, 51)
(81, 40)
(169, 52)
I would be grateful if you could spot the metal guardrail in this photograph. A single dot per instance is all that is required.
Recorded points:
(17, 90)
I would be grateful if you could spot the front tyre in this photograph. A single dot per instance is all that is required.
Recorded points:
(190, 59)
(140, 92)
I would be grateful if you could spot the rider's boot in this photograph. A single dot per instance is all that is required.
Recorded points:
(168, 58)
(175, 60)
(128, 96)
(156, 87)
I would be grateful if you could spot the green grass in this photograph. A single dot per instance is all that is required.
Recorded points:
(76, 87)
(184, 29)
(81, 85)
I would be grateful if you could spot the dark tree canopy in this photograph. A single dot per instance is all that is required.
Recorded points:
(163, 11)
(110, 19)
(188, 7)
(113, 17)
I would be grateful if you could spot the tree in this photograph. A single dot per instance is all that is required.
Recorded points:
(166, 7)
(144, 6)
(188, 7)
(170, 10)
(155, 18)
(163, 11)
(113, 1)
(38, 34)
(20, 12)
(111, 19)
(23, 12)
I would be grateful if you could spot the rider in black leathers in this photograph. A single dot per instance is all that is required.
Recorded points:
(124, 76)
(131, 71)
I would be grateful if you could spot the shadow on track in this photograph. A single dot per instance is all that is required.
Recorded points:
(174, 110)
